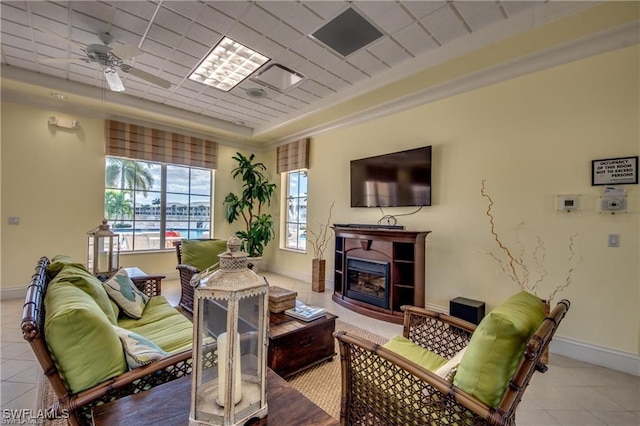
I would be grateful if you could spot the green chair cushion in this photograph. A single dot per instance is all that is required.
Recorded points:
(202, 253)
(416, 353)
(88, 283)
(497, 346)
(81, 338)
(124, 292)
(162, 324)
(138, 350)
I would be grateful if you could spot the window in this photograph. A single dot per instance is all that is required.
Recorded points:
(151, 205)
(296, 210)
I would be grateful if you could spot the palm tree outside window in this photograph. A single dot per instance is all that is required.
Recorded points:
(152, 204)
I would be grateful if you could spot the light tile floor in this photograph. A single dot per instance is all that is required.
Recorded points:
(569, 393)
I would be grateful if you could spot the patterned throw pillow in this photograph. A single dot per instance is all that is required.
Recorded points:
(138, 350)
(124, 292)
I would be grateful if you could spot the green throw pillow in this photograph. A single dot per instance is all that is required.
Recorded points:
(416, 353)
(87, 282)
(124, 292)
(497, 346)
(202, 253)
(80, 337)
(138, 350)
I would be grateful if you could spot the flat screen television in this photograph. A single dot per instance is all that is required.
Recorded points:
(392, 180)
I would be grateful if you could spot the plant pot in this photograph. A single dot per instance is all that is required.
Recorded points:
(253, 263)
(317, 275)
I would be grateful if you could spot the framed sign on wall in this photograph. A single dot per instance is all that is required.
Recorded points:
(614, 171)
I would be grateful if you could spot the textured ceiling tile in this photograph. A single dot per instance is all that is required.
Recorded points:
(204, 35)
(13, 12)
(170, 19)
(314, 52)
(231, 8)
(193, 48)
(190, 9)
(444, 25)
(291, 59)
(285, 35)
(389, 52)
(394, 20)
(484, 19)
(367, 62)
(159, 49)
(15, 29)
(55, 71)
(423, 8)
(49, 10)
(213, 19)
(130, 22)
(295, 14)
(348, 72)
(374, 9)
(260, 20)
(515, 7)
(415, 39)
(326, 9)
(331, 81)
(163, 35)
(143, 9)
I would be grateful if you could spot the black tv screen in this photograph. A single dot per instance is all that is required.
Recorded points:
(392, 180)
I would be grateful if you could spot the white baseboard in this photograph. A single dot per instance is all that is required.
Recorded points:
(13, 293)
(599, 355)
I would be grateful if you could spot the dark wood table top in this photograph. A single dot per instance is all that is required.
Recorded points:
(169, 404)
(281, 324)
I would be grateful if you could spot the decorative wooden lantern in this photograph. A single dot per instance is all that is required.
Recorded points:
(230, 320)
(103, 251)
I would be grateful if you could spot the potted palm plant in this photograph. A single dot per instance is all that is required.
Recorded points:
(256, 193)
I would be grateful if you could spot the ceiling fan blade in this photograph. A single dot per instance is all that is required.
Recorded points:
(113, 80)
(126, 51)
(146, 76)
(59, 60)
(59, 37)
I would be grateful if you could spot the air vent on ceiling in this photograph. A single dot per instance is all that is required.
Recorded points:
(347, 33)
(255, 92)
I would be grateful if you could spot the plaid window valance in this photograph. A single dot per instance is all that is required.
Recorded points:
(293, 156)
(144, 143)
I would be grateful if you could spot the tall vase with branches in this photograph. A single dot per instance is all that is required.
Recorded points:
(512, 262)
(318, 240)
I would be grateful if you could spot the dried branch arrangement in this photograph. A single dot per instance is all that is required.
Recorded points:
(513, 265)
(320, 240)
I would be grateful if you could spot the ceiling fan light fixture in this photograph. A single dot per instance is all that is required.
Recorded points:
(227, 65)
(113, 80)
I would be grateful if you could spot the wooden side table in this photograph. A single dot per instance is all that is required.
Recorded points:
(151, 285)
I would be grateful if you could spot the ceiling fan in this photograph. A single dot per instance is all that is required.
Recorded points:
(111, 59)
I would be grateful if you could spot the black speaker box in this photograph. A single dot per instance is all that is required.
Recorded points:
(467, 309)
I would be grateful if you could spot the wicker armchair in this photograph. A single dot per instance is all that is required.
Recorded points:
(380, 387)
(186, 273)
(79, 405)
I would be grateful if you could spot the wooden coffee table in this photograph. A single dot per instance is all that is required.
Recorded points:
(296, 345)
(169, 404)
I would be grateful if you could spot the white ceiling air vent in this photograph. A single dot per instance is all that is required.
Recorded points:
(347, 33)
(278, 77)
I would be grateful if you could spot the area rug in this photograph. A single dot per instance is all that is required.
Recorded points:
(321, 383)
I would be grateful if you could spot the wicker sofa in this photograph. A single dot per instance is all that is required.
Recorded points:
(382, 387)
(58, 306)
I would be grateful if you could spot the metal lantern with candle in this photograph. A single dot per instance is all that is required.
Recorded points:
(230, 320)
(103, 251)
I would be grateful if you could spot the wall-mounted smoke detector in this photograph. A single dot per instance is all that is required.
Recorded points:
(256, 93)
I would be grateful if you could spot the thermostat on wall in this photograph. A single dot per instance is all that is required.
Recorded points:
(568, 203)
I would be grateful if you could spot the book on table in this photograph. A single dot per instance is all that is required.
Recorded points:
(306, 312)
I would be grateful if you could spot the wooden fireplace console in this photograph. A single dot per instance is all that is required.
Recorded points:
(403, 252)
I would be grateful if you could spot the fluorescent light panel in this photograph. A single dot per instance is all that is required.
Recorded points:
(227, 65)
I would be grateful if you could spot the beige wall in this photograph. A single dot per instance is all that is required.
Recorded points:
(531, 138)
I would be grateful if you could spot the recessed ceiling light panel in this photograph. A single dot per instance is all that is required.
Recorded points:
(227, 65)
(279, 77)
